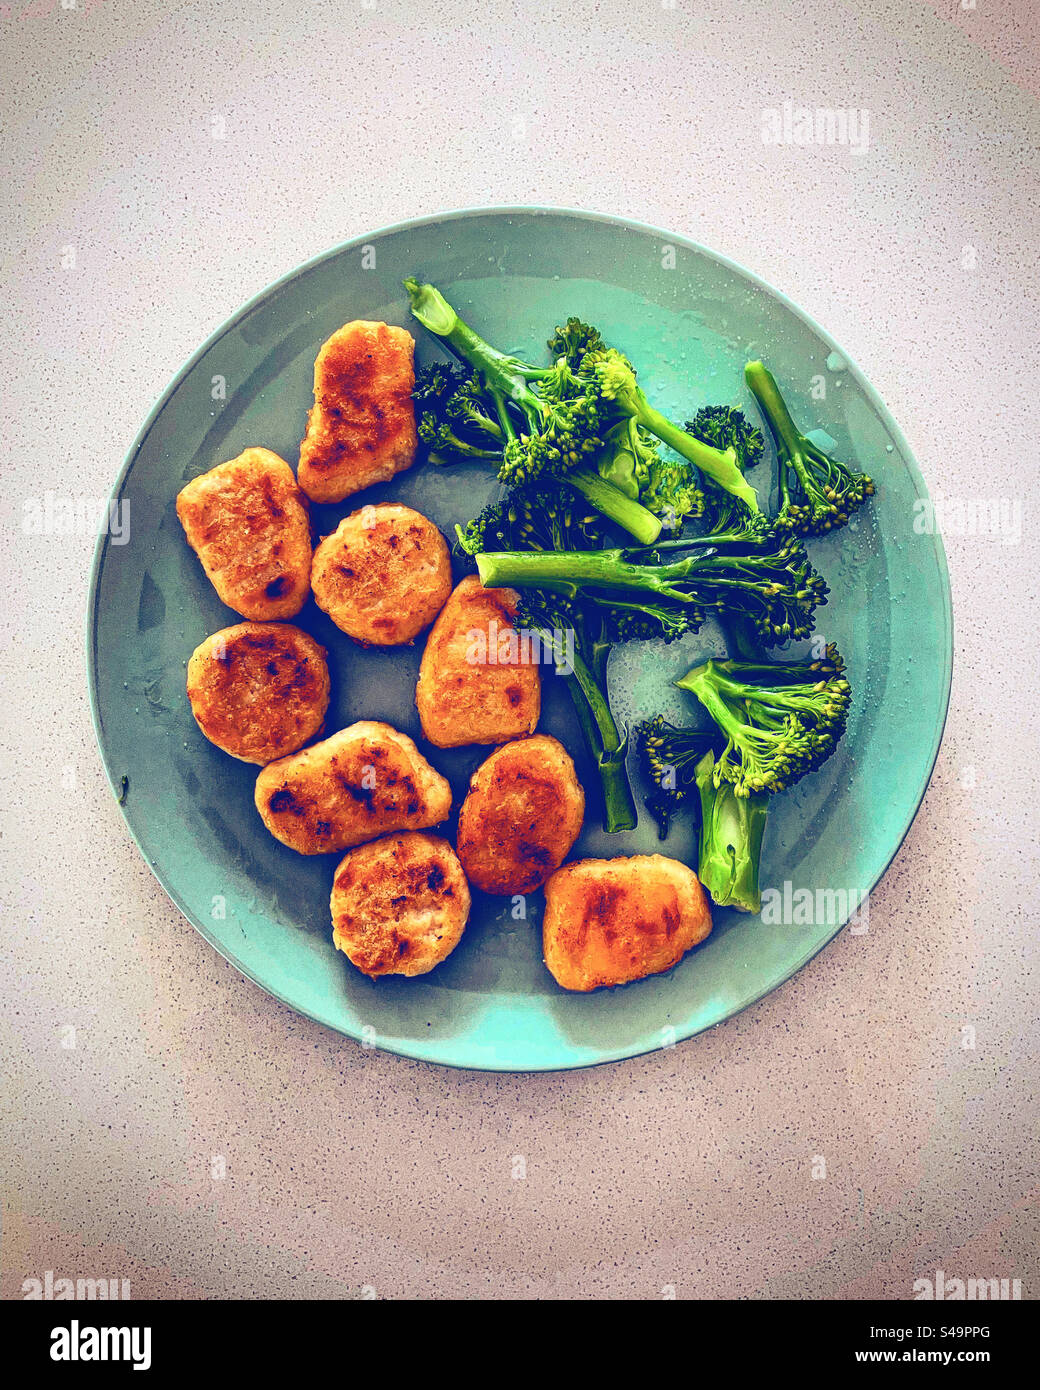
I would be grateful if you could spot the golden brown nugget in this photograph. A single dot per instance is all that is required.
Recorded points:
(248, 523)
(474, 684)
(608, 921)
(361, 427)
(523, 812)
(383, 575)
(259, 690)
(362, 782)
(399, 904)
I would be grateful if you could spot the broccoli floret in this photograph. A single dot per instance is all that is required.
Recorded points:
(573, 341)
(780, 721)
(534, 422)
(817, 491)
(673, 493)
(670, 756)
(766, 578)
(772, 724)
(680, 765)
(628, 455)
(444, 446)
(542, 516)
(724, 427)
(435, 383)
(453, 423)
(469, 407)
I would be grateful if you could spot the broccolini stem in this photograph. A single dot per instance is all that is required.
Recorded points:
(612, 502)
(742, 640)
(774, 407)
(619, 808)
(732, 828)
(503, 374)
(606, 746)
(567, 571)
(508, 432)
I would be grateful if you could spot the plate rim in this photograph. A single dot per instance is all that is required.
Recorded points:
(405, 1049)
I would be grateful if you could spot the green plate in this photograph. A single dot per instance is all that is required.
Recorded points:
(689, 319)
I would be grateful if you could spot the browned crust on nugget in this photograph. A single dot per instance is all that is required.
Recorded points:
(608, 921)
(259, 690)
(522, 815)
(383, 575)
(361, 782)
(248, 523)
(361, 428)
(462, 699)
(399, 904)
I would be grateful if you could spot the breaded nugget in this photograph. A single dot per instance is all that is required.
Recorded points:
(383, 575)
(362, 782)
(361, 427)
(523, 812)
(399, 904)
(259, 690)
(248, 523)
(476, 683)
(608, 921)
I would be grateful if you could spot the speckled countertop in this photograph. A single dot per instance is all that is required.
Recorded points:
(164, 1120)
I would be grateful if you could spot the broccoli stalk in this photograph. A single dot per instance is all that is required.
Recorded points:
(766, 576)
(732, 828)
(817, 492)
(640, 523)
(605, 744)
(507, 377)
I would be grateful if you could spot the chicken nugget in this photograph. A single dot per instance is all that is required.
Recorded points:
(259, 690)
(362, 782)
(608, 921)
(523, 812)
(399, 904)
(383, 575)
(477, 683)
(248, 523)
(361, 427)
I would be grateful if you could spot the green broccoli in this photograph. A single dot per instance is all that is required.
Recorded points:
(531, 422)
(817, 491)
(668, 487)
(619, 388)
(574, 341)
(765, 577)
(579, 417)
(772, 724)
(780, 720)
(680, 765)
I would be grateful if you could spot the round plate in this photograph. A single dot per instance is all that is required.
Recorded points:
(689, 319)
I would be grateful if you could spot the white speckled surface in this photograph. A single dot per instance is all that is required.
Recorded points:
(192, 152)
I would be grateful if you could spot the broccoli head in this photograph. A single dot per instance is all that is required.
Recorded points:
(779, 721)
(574, 341)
